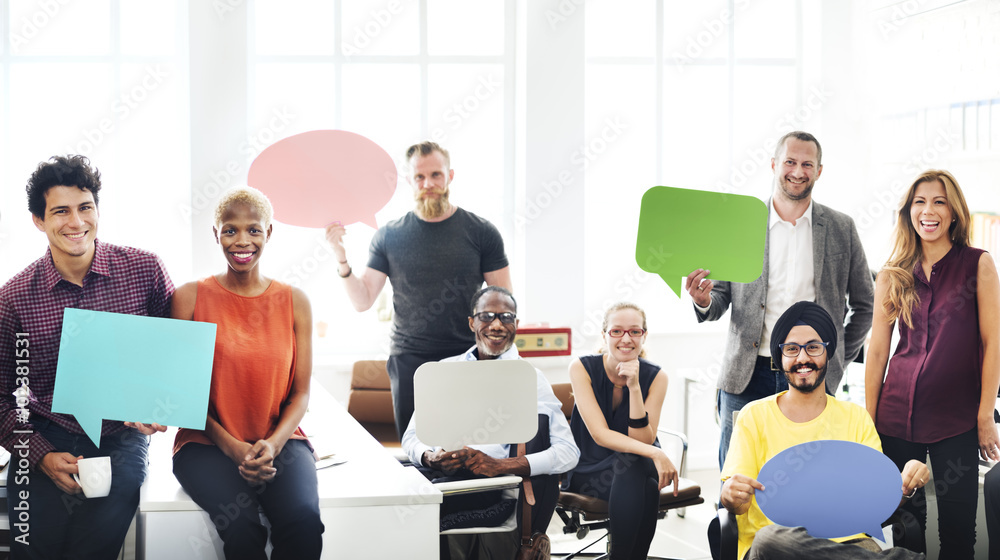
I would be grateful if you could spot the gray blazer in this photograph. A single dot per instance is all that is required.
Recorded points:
(843, 287)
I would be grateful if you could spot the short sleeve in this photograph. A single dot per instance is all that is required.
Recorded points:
(742, 455)
(161, 291)
(377, 259)
(492, 255)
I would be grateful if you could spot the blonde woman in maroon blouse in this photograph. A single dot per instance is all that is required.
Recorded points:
(941, 387)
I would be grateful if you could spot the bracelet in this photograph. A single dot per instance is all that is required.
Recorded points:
(342, 262)
(639, 422)
(349, 271)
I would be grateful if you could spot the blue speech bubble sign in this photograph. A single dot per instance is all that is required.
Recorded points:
(681, 230)
(133, 368)
(802, 488)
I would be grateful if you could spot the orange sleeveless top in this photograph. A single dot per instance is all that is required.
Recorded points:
(254, 360)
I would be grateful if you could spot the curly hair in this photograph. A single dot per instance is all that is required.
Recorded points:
(61, 171)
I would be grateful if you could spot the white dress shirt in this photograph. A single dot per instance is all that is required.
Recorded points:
(790, 274)
(562, 454)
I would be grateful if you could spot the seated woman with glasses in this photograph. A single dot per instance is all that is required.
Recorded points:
(252, 453)
(618, 399)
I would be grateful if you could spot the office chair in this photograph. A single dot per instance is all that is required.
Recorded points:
(581, 514)
(482, 402)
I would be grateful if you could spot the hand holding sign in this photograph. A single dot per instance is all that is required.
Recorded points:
(322, 176)
(133, 368)
(681, 230)
(802, 488)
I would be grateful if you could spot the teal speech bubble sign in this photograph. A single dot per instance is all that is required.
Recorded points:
(681, 230)
(797, 488)
(133, 368)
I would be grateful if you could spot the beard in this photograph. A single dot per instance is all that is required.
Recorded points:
(806, 387)
(806, 190)
(430, 206)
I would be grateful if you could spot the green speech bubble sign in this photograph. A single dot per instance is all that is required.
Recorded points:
(681, 230)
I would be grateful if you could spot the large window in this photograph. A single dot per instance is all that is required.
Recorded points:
(682, 94)
(396, 72)
(106, 79)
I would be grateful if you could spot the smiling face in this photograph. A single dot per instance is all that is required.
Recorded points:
(627, 347)
(69, 221)
(804, 373)
(496, 337)
(430, 177)
(242, 236)
(930, 213)
(796, 170)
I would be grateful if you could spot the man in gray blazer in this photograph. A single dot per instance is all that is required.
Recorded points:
(812, 253)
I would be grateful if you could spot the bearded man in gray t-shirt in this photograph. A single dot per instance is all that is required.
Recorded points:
(436, 257)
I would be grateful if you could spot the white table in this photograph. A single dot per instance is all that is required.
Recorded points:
(372, 506)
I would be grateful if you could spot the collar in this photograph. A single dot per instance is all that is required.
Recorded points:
(472, 355)
(774, 218)
(100, 265)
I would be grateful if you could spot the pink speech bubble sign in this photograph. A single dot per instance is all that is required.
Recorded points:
(322, 176)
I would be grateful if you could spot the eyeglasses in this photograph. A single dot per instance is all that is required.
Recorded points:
(506, 318)
(618, 333)
(792, 349)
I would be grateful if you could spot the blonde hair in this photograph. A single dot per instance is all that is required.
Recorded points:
(619, 307)
(907, 250)
(245, 195)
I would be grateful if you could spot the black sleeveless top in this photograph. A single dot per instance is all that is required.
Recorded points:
(593, 457)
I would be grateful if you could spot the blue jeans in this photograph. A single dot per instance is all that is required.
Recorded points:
(764, 383)
(61, 525)
(290, 501)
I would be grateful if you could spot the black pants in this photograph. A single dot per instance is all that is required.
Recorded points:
(400, 368)
(991, 493)
(630, 488)
(955, 462)
(290, 501)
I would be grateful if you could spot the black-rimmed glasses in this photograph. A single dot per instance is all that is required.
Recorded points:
(792, 349)
(506, 318)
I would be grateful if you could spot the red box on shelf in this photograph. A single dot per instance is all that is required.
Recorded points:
(544, 341)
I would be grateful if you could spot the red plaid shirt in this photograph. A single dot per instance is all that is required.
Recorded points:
(120, 280)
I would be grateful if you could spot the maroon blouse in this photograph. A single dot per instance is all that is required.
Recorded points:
(932, 389)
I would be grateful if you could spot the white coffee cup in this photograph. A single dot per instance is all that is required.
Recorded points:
(94, 477)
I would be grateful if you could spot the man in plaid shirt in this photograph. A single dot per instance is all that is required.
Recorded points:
(49, 517)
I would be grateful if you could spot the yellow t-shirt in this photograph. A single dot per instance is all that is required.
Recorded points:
(762, 431)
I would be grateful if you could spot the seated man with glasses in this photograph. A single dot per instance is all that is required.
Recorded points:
(803, 413)
(494, 321)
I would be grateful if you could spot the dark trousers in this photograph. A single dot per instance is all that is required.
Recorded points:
(764, 383)
(290, 501)
(991, 493)
(60, 525)
(401, 368)
(955, 462)
(630, 488)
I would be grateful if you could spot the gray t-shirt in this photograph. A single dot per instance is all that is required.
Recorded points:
(435, 268)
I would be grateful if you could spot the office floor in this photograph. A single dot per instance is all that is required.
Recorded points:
(675, 537)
